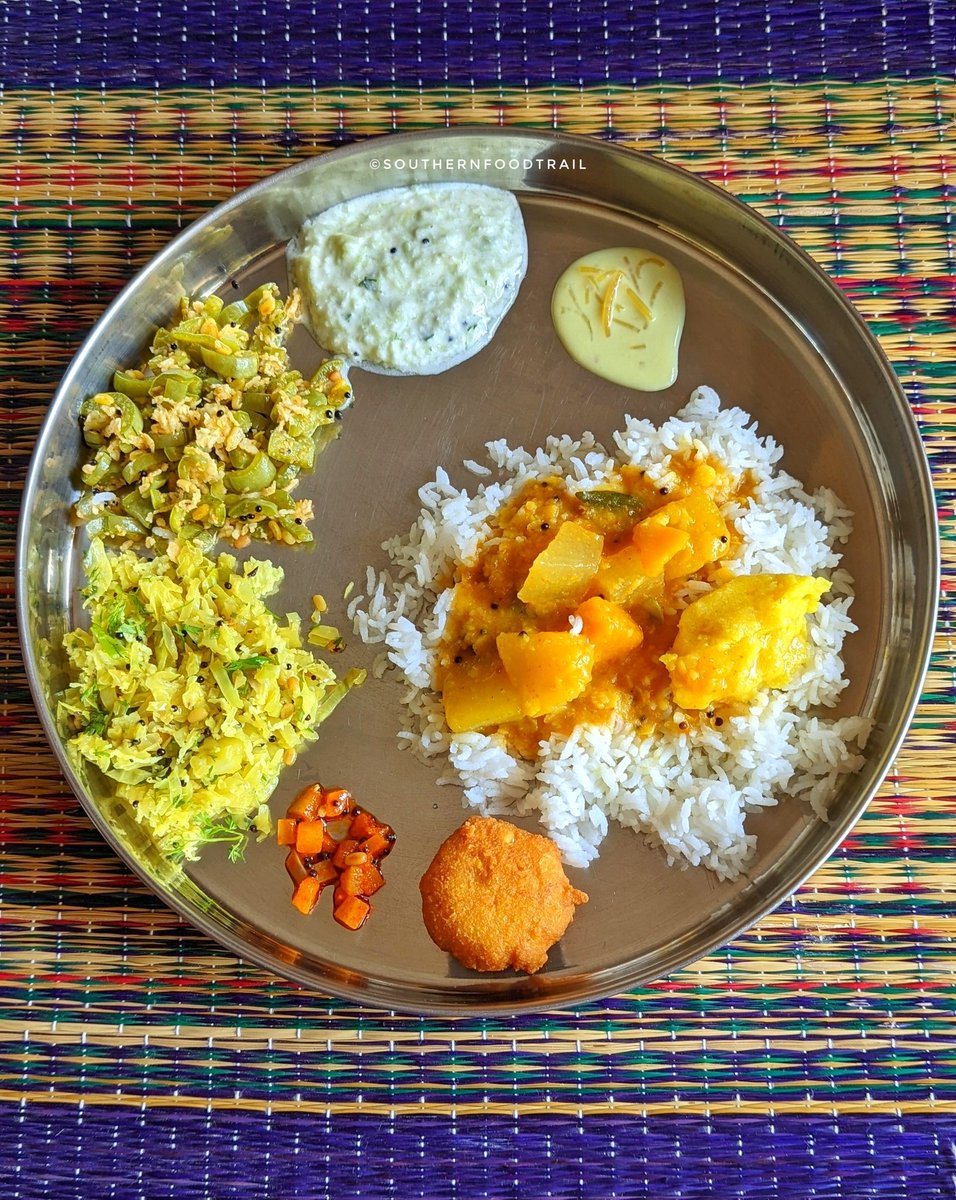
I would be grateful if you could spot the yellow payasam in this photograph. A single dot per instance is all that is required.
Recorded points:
(569, 612)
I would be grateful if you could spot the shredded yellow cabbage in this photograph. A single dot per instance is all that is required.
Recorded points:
(189, 693)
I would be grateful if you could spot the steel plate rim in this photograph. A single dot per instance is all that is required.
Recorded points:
(571, 992)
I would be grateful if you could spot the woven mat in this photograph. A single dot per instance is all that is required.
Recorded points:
(815, 1055)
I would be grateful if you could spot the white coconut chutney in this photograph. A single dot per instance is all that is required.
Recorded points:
(413, 280)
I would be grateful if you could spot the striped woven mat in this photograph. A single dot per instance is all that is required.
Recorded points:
(816, 1054)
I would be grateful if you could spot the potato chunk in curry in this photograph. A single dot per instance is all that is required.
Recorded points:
(479, 694)
(548, 670)
(747, 635)
(698, 518)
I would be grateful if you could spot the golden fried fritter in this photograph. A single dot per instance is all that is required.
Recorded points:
(496, 897)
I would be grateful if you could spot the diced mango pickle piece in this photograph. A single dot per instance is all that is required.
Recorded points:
(561, 573)
(744, 636)
(477, 694)
(699, 517)
(548, 670)
(610, 630)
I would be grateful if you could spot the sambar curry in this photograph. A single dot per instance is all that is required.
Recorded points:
(575, 610)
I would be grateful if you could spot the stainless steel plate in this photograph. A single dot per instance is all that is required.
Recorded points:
(764, 327)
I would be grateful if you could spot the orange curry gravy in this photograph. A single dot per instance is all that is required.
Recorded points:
(634, 687)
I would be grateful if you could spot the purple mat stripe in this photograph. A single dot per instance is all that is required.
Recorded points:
(410, 44)
(55, 1153)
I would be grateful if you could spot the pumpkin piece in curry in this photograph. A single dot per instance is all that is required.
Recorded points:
(569, 613)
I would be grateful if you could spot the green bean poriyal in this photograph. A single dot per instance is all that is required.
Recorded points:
(207, 438)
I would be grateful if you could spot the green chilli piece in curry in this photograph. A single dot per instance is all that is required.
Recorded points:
(207, 437)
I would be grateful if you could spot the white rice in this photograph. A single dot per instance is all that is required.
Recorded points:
(689, 791)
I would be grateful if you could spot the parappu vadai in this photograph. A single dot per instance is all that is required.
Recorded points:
(496, 897)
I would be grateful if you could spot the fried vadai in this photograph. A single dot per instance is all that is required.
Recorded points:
(496, 897)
